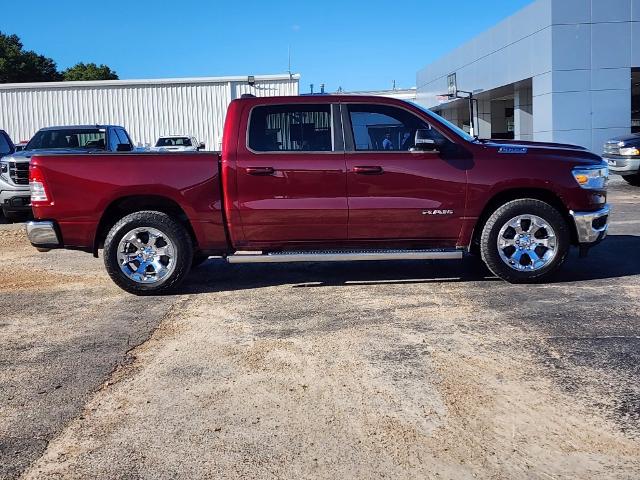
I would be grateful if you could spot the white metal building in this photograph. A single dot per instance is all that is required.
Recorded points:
(558, 70)
(146, 108)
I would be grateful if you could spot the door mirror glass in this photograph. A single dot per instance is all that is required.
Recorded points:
(424, 141)
(202, 146)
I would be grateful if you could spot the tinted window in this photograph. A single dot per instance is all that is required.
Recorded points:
(383, 128)
(68, 138)
(5, 148)
(291, 128)
(122, 136)
(113, 140)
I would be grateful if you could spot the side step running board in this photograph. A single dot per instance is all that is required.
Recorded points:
(343, 256)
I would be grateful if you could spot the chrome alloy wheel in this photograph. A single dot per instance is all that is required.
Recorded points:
(146, 255)
(527, 243)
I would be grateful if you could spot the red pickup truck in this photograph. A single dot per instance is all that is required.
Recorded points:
(323, 178)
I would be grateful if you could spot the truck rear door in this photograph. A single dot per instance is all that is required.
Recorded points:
(291, 175)
(394, 193)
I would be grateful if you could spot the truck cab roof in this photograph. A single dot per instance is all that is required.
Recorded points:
(67, 127)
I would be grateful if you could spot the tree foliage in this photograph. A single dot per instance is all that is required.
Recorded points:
(21, 66)
(89, 71)
(18, 65)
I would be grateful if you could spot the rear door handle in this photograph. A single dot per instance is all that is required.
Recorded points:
(368, 170)
(260, 171)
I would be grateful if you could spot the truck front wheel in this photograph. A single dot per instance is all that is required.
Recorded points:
(525, 241)
(148, 253)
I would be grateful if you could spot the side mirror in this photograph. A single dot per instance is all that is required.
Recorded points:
(202, 146)
(424, 142)
(124, 147)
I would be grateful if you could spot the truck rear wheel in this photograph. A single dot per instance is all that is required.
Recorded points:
(633, 179)
(148, 253)
(525, 241)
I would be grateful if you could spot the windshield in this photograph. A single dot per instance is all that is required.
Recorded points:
(453, 127)
(85, 138)
(174, 142)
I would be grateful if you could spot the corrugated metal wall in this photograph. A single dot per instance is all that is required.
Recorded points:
(146, 109)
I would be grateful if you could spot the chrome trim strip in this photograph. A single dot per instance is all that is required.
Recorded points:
(345, 256)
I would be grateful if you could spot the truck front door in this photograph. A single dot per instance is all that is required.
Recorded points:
(396, 192)
(291, 176)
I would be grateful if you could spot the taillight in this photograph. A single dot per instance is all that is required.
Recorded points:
(37, 185)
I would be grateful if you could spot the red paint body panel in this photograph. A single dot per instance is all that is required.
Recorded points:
(395, 204)
(305, 200)
(311, 199)
(81, 188)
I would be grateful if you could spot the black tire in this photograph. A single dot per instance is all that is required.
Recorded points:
(174, 231)
(15, 217)
(199, 259)
(633, 179)
(527, 206)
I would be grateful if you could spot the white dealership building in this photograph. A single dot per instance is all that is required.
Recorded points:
(558, 71)
(148, 109)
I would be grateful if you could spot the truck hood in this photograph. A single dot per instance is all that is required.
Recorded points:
(25, 155)
(557, 151)
(632, 140)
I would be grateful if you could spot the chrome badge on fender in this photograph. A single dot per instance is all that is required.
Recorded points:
(438, 212)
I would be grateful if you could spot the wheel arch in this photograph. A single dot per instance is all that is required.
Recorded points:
(123, 206)
(509, 195)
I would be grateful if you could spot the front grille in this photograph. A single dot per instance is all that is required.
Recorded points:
(19, 172)
(612, 148)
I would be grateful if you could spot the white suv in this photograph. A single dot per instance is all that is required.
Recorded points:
(178, 143)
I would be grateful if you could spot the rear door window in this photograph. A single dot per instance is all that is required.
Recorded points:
(291, 128)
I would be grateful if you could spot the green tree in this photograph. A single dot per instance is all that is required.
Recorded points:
(89, 71)
(18, 65)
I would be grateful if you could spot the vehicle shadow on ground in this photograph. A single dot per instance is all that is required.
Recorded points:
(614, 258)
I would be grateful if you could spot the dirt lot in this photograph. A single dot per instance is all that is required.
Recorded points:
(382, 370)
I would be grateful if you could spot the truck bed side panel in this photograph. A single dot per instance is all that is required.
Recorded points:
(82, 187)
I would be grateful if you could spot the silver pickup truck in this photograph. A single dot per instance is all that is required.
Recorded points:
(14, 167)
(622, 154)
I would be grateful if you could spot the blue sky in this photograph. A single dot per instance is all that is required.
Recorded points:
(356, 45)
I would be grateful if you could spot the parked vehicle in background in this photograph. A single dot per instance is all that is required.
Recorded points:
(14, 168)
(331, 178)
(20, 146)
(623, 157)
(6, 148)
(178, 143)
(6, 145)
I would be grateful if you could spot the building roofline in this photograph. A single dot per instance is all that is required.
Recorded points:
(150, 81)
(379, 92)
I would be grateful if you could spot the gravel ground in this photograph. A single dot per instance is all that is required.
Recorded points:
(377, 370)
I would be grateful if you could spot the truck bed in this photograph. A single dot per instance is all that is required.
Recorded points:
(85, 189)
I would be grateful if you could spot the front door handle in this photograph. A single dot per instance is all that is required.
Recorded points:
(260, 171)
(368, 170)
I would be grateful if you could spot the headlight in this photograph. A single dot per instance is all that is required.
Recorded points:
(629, 152)
(592, 178)
(4, 169)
